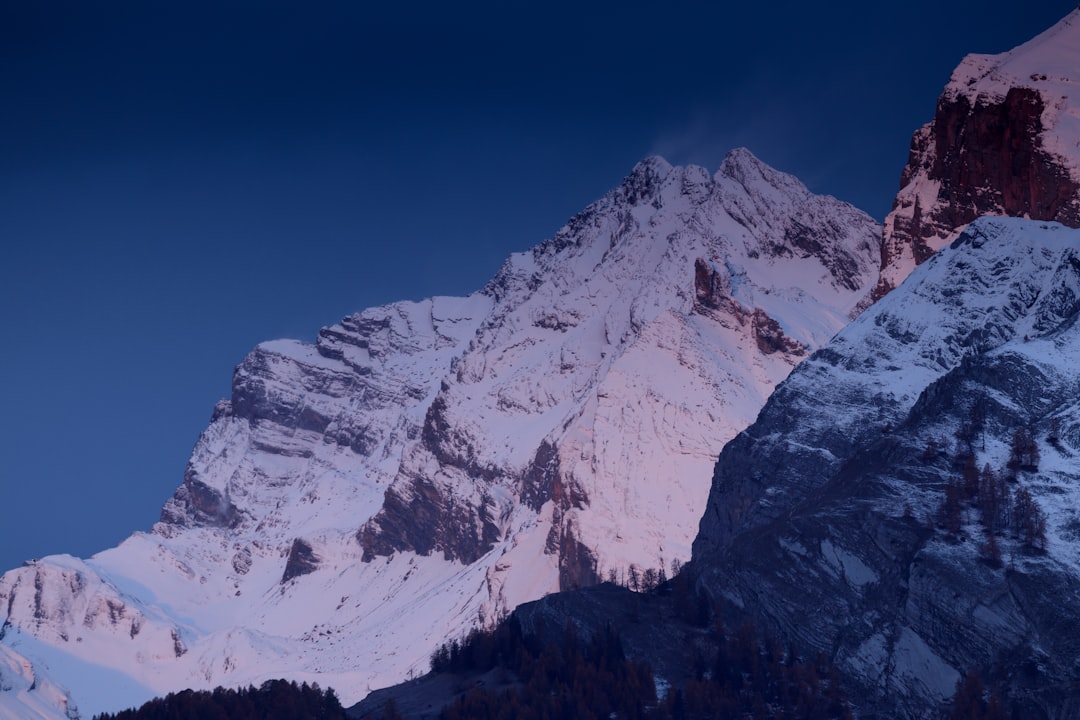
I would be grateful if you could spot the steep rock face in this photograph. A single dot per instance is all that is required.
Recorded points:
(827, 519)
(1003, 141)
(585, 331)
(302, 560)
(424, 467)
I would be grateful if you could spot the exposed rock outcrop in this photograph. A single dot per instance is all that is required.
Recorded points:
(1003, 141)
(301, 561)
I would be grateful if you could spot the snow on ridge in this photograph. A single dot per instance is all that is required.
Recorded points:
(1051, 56)
(1047, 63)
(993, 287)
(950, 303)
(601, 343)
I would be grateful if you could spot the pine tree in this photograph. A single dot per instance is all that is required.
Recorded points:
(1053, 434)
(993, 500)
(1028, 520)
(968, 700)
(634, 579)
(969, 473)
(990, 551)
(1024, 451)
(951, 508)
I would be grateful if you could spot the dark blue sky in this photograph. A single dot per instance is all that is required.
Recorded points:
(179, 181)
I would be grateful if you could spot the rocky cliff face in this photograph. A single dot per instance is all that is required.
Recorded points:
(853, 514)
(424, 467)
(1003, 141)
(595, 330)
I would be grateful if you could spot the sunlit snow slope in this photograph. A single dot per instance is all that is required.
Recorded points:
(425, 467)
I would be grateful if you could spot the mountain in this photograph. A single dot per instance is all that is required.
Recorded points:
(905, 507)
(424, 467)
(1003, 141)
(861, 514)
(907, 501)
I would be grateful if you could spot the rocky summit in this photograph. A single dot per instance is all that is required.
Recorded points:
(425, 467)
(1003, 141)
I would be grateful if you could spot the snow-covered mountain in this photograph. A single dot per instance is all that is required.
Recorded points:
(880, 507)
(1005, 140)
(425, 467)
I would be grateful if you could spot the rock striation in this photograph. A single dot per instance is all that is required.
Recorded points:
(828, 520)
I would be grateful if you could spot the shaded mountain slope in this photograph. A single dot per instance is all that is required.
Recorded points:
(845, 517)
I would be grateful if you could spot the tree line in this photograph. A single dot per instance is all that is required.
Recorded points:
(973, 700)
(745, 676)
(273, 700)
(1003, 504)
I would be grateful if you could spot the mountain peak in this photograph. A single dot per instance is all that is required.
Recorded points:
(1050, 59)
(652, 164)
(748, 170)
(448, 459)
(645, 180)
(741, 156)
(1003, 141)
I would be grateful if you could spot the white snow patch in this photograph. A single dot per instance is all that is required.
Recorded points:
(854, 570)
(917, 667)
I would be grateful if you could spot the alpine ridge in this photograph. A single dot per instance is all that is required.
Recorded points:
(425, 467)
(904, 508)
(905, 503)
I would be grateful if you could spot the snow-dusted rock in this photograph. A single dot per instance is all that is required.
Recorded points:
(425, 467)
(826, 522)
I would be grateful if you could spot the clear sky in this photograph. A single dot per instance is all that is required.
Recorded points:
(180, 181)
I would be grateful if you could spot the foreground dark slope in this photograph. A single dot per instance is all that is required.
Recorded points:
(877, 510)
(608, 652)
